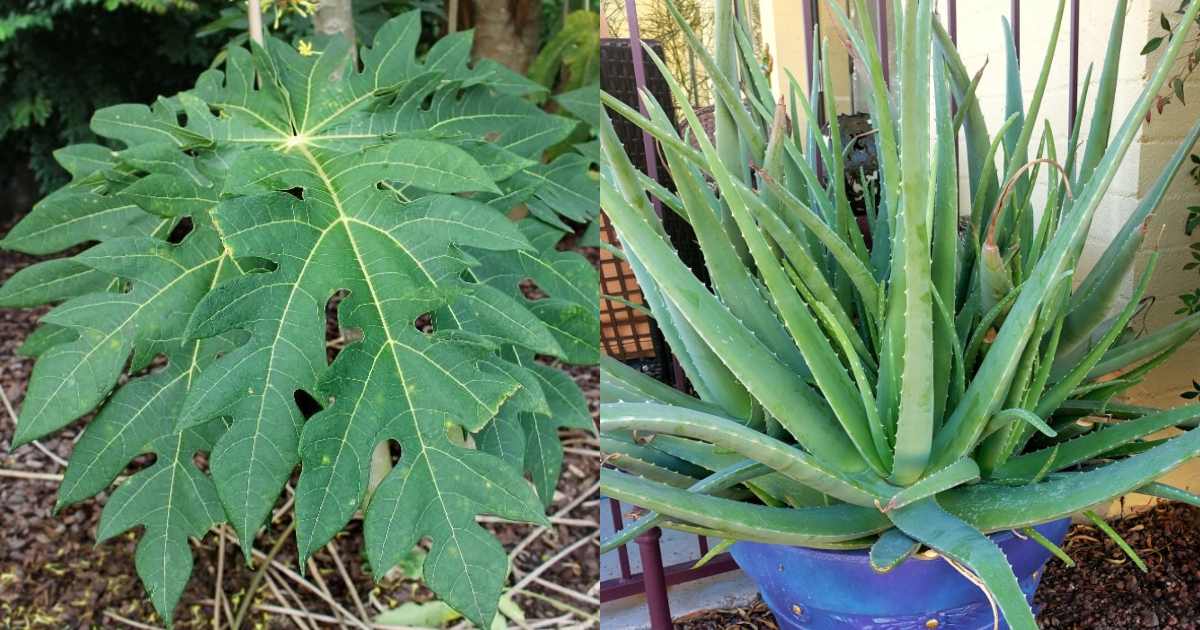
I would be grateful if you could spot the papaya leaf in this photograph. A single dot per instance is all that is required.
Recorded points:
(229, 217)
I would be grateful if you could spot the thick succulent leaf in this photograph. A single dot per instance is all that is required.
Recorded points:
(892, 548)
(764, 375)
(809, 527)
(727, 477)
(993, 507)
(927, 522)
(859, 488)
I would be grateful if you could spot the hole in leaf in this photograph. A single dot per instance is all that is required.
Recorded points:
(296, 192)
(424, 323)
(200, 460)
(181, 230)
(427, 102)
(181, 118)
(335, 340)
(254, 264)
(531, 290)
(307, 404)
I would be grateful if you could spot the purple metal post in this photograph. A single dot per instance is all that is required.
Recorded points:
(655, 580)
(952, 19)
(614, 507)
(881, 38)
(1073, 69)
(1016, 26)
(639, 79)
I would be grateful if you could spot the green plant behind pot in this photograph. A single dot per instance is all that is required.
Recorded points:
(930, 385)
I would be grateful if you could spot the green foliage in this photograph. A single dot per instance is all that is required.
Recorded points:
(228, 216)
(60, 60)
(570, 59)
(921, 390)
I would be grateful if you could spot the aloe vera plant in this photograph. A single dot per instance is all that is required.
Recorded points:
(927, 389)
(228, 217)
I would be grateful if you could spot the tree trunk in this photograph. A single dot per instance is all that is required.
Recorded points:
(336, 17)
(507, 31)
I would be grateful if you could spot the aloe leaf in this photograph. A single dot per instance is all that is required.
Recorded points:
(962, 429)
(859, 488)
(773, 488)
(1162, 340)
(720, 480)
(960, 472)
(992, 507)
(1098, 442)
(880, 105)
(754, 364)
(1049, 545)
(1073, 133)
(1078, 372)
(731, 279)
(1112, 409)
(914, 428)
(712, 379)
(809, 527)
(1091, 301)
(819, 356)
(858, 273)
(635, 445)
(981, 169)
(626, 457)
(928, 523)
(722, 70)
(1101, 121)
(892, 548)
(1116, 538)
(614, 373)
(1170, 493)
(943, 267)
(1018, 152)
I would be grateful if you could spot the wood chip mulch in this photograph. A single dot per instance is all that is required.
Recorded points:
(1104, 591)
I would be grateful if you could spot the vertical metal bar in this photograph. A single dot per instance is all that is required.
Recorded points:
(881, 39)
(619, 524)
(952, 20)
(952, 26)
(1073, 69)
(809, 20)
(639, 80)
(1016, 26)
(655, 580)
(810, 29)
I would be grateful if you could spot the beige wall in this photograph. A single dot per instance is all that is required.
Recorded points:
(981, 38)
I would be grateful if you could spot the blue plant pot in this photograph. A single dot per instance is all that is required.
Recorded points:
(812, 589)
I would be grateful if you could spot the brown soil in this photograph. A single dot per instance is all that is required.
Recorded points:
(53, 574)
(1104, 591)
